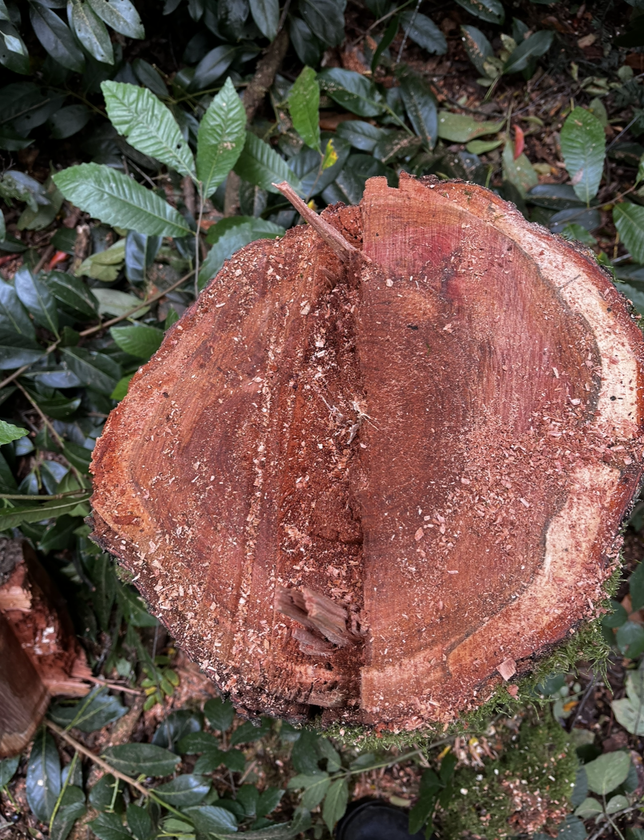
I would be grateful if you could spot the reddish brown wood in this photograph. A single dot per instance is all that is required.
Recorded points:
(40, 656)
(379, 485)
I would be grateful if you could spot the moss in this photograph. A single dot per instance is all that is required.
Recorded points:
(527, 787)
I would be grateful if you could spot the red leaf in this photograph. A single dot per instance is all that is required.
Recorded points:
(519, 141)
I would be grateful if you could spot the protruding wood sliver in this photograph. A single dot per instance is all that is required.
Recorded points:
(425, 454)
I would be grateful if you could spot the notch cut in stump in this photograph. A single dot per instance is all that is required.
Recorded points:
(376, 483)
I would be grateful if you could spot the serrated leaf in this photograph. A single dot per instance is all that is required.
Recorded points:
(268, 800)
(231, 234)
(490, 10)
(118, 200)
(221, 138)
(536, 45)
(37, 299)
(138, 340)
(266, 14)
(56, 37)
(325, 18)
(328, 751)
(108, 826)
(459, 128)
(9, 432)
(72, 292)
(314, 791)
(94, 369)
(196, 742)
(248, 732)
(211, 819)
(148, 124)
(219, 714)
(304, 104)
(90, 31)
(421, 108)
(260, 165)
(93, 712)
(139, 822)
(423, 31)
(43, 780)
(119, 15)
(351, 90)
(71, 808)
(133, 759)
(583, 146)
(607, 772)
(212, 66)
(629, 221)
(335, 802)
(185, 790)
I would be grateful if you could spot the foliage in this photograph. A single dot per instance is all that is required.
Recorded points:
(153, 151)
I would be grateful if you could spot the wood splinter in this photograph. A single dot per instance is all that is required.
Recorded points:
(468, 526)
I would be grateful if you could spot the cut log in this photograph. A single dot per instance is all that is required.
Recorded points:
(40, 656)
(377, 481)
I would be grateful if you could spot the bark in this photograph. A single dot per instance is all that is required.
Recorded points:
(378, 483)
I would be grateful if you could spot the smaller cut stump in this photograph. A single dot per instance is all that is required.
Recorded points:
(373, 475)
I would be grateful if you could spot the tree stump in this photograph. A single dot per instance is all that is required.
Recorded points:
(380, 465)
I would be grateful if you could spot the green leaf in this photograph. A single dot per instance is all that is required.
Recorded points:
(140, 251)
(184, 791)
(589, 808)
(17, 350)
(328, 751)
(636, 585)
(325, 18)
(56, 37)
(576, 233)
(140, 823)
(149, 77)
(133, 759)
(489, 10)
(572, 828)
(477, 46)
(260, 165)
(235, 760)
(221, 138)
(148, 124)
(248, 732)
(72, 292)
(316, 788)
(335, 802)
(421, 107)
(351, 90)
(9, 432)
(118, 200)
(304, 104)
(630, 710)
(268, 800)
(210, 819)
(615, 618)
(583, 145)
(108, 826)
(13, 314)
(138, 340)
(266, 14)
(361, 135)
(134, 609)
(212, 66)
(424, 32)
(459, 128)
(196, 742)
(608, 771)
(121, 388)
(630, 639)
(219, 714)
(120, 15)
(112, 302)
(385, 41)
(536, 45)
(68, 121)
(307, 46)
(519, 172)
(37, 299)
(13, 53)
(629, 221)
(93, 712)
(14, 517)
(91, 32)
(93, 369)
(616, 803)
(232, 234)
(8, 767)
(43, 780)
(71, 808)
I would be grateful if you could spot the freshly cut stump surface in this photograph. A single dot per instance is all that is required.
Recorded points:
(377, 484)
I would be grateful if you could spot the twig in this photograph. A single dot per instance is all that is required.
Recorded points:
(331, 236)
(53, 498)
(407, 31)
(116, 686)
(47, 253)
(96, 759)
